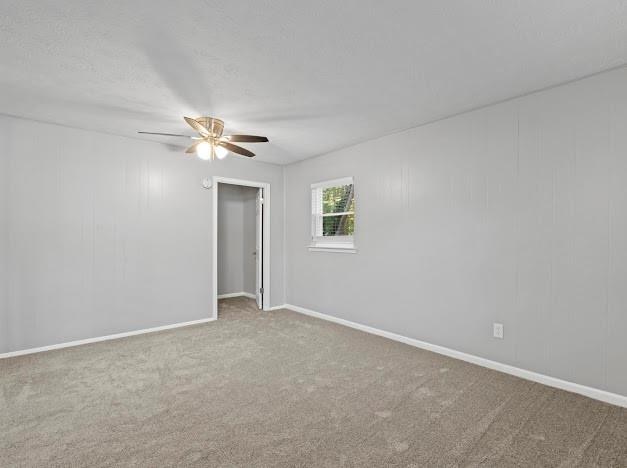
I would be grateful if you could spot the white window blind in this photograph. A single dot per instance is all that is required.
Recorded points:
(333, 213)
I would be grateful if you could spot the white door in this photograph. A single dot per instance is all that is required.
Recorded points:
(259, 250)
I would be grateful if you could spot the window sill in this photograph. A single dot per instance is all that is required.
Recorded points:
(336, 248)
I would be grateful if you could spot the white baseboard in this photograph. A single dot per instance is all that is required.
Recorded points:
(236, 294)
(282, 306)
(102, 338)
(597, 394)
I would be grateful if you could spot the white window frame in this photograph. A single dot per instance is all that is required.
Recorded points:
(342, 244)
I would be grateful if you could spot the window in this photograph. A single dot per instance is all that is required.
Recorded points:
(333, 215)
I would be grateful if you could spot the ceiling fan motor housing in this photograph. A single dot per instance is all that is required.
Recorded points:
(215, 126)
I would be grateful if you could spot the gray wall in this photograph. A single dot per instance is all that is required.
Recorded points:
(106, 234)
(515, 213)
(236, 239)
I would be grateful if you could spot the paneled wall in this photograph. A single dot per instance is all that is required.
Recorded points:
(104, 234)
(515, 213)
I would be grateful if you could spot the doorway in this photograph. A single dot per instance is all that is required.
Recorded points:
(243, 214)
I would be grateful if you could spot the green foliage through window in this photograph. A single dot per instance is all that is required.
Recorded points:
(341, 200)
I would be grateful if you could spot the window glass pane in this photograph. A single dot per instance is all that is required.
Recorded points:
(338, 225)
(338, 199)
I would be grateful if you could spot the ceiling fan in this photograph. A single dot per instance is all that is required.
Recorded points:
(210, 143)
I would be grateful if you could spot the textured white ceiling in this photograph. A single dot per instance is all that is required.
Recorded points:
(311, 75)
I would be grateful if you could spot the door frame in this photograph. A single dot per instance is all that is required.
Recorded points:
(266, 238)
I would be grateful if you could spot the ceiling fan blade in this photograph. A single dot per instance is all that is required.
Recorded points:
(192, 149)
(246, 138)
(165, 134)
(236, 149)
(197, 126)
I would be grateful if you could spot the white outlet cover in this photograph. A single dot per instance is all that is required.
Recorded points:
(497, 330)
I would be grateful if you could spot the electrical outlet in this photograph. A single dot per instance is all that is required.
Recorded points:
(497, 330)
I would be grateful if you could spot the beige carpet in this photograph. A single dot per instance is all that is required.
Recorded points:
(281, 389)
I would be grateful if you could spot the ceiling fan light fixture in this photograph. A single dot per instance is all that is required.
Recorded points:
(203, 150)
(221, 152)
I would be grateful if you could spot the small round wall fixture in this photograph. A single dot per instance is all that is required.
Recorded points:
(206, 183)
(211, 144)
